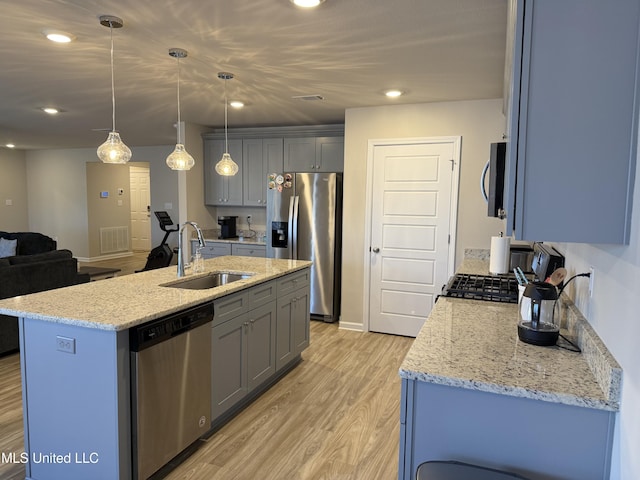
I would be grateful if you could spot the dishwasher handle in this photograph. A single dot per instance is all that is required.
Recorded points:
(151, 333)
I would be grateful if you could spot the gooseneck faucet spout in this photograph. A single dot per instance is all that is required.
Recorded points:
(180, 257)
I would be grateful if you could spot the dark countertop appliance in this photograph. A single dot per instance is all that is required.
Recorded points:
(227, 227)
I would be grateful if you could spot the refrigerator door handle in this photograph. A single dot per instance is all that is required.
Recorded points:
(294, 226)
(290, 228)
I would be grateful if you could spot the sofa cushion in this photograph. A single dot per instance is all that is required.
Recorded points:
(40, 257)
(4, 262)
(8, 247)
(30, 242)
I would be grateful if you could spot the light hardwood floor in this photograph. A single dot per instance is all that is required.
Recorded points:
(335, 416)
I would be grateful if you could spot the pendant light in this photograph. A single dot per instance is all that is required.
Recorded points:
(179, 159)
(226, 166)
(113, 150)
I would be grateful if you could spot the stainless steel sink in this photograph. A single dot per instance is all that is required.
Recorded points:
(211, 280)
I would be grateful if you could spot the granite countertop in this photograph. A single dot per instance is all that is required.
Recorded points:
(120, 303)
(243, 240)
(212, 235)
(474, 345)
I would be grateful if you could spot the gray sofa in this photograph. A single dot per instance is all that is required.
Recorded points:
(37, 266)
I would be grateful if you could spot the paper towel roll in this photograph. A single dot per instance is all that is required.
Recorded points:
(499, 256)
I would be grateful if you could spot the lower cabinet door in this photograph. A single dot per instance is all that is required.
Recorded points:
(292, 335)
(229, 364)
(301, 321)
(261, 338)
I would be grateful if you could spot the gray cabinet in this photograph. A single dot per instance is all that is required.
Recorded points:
(447, 422)
(243, 345)
(212, 249)
(220, 190)
(292, 317)
(314, 154)
(572, 119)
(220, 249)
(248, 250)
(259, 157)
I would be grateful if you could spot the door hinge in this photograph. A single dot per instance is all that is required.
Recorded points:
(453, 163)
(449, 239)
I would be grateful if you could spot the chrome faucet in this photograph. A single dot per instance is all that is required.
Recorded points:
(200, 240)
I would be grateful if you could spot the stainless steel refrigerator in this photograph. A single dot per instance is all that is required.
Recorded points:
(304, 222)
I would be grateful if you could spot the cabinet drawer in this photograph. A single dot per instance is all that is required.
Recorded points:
(293, 281)
(212, 250)
(230, 306)
(261, 294)
(249, 250)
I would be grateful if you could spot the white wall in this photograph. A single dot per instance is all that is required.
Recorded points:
(478, 123)
(13, 190)
(57, 191)
(614, 313)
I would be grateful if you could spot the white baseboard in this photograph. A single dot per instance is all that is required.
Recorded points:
(355, 327)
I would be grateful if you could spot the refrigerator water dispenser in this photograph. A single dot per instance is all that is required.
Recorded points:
(279, 237)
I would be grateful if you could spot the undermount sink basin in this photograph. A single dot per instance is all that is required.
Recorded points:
(211, 280)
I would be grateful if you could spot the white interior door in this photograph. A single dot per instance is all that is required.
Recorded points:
(140, 208)
(411, 223)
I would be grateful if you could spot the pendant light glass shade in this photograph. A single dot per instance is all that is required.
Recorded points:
(226, 166)
(113, 150)
(179, 159)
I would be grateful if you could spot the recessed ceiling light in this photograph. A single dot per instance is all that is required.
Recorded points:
(307, 3)
(50, 110)
(10, 145)
(236, 104)
(58, 36)
(393, 93)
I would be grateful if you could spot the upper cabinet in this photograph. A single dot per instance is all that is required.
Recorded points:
(220, 190)
(260, 156)
(314, 154)
(572, 111)
(261, 151)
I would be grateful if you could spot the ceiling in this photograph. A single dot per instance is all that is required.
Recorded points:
(347, 51)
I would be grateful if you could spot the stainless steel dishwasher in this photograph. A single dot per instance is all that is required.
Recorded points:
(171, 386)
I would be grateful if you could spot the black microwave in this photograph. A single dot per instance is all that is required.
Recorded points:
(495, 168)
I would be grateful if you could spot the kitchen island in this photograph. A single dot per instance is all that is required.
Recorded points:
(76, 362)
(472, 392)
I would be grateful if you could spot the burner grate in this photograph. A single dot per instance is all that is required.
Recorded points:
(493, 288)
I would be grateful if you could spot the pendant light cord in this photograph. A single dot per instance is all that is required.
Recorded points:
(226, 140)
(178, 126)
(113, 88)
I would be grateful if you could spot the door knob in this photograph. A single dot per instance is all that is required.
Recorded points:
(376, 250)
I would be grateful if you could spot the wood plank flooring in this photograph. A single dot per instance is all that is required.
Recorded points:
(335, 416)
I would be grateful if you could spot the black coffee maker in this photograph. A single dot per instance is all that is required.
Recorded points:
(536, 325)
(227, 227)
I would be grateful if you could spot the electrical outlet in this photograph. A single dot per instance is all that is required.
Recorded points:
(591, 278)
(66, 344)
(248, 218)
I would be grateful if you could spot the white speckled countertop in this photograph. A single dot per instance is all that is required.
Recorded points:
(120, 303)
(474, 345)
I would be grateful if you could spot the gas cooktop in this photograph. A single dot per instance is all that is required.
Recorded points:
(493, 288)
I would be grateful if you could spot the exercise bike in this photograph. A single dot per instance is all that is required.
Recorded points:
(161, 255)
